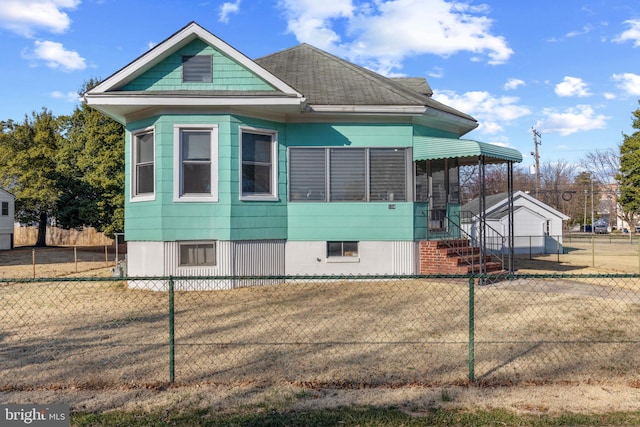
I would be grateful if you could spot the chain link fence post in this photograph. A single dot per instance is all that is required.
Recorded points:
(172, 367)
(472, 355)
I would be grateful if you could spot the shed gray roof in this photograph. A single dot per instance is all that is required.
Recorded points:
(325, 79)
(473, 206)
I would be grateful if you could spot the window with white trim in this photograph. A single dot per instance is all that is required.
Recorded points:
(195, 162)
(143, 164)
(197, 69)
(349, 174)
(258, 164)
(197, 254)
(342, 249)
(5, 208)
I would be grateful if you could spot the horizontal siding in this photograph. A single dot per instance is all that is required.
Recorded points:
(227, 74)
(350, 221)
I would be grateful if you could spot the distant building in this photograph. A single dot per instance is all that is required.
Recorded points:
(7, 219)
(537, 226)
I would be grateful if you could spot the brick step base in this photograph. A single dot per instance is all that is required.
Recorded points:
(453, 257)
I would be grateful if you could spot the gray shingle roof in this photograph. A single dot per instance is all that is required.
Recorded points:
(473, 206)
(325, 79)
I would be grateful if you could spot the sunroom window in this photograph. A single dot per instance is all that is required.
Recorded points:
(348, 174)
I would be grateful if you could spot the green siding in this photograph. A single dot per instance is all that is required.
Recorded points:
(233, 219)
(350, 221)
(349, 135)
(227, 219)
(227, 74)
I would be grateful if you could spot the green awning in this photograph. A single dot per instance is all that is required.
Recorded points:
(466, 150)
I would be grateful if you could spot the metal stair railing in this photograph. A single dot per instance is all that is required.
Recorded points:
(454, 231)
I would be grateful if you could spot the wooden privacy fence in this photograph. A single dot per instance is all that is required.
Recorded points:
(87, 236)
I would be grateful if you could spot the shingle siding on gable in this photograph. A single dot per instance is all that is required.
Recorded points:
(227, 74)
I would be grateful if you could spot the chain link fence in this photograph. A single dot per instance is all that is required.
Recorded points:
(319, 331)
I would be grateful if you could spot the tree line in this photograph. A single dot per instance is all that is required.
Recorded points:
(605, 182)
(68, 169)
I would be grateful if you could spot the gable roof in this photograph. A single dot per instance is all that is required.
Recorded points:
(327, 80)
(495, 204)
(5, 193)
(304, 79)
(108, 98)
(182, 37)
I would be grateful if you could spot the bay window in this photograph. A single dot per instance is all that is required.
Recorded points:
(143, 164)
(195, 163)
(258, 158)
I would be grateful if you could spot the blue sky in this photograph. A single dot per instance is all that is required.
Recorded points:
(570, 69)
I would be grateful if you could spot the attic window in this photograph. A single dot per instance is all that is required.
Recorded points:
(197, 69)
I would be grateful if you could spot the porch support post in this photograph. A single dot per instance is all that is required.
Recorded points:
(511, 237)
(481, 214)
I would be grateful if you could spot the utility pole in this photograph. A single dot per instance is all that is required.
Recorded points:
(536, 156)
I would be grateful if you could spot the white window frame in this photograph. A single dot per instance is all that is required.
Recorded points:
(143, 197)
(5, 208)
(197, 243)
(177, 164)
(273, 196)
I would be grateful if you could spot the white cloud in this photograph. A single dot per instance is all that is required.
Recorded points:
(490, 111)
(632, 34)
(572, 86)
(381, 33)
(227, 9)
(572, 120)
(69, 96)
(586, 29)
(56, 56)
(25, 17)
(311, 21)
(436, 72)
(628, 82)
(609, 95)
(512, 84)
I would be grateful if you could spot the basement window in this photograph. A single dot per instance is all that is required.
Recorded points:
(197, 254)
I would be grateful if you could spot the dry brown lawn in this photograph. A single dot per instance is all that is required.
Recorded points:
(100, 345)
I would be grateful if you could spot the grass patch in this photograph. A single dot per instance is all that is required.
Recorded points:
(352, 416)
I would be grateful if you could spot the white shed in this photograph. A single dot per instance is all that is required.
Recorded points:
(537, 226)
(7, 219)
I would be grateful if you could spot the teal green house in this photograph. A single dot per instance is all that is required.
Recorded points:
(294, 163)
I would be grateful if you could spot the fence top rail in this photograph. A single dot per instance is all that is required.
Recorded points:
(510, 276)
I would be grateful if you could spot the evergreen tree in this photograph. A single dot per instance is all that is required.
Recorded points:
(629, 175)
(28, 167)
(93, 156)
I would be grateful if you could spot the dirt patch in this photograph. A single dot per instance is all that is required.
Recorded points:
(580, 395)
(58, 261)
(526, 399)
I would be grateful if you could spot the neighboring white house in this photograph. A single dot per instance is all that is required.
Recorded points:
(537, 226)
(7, 215)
